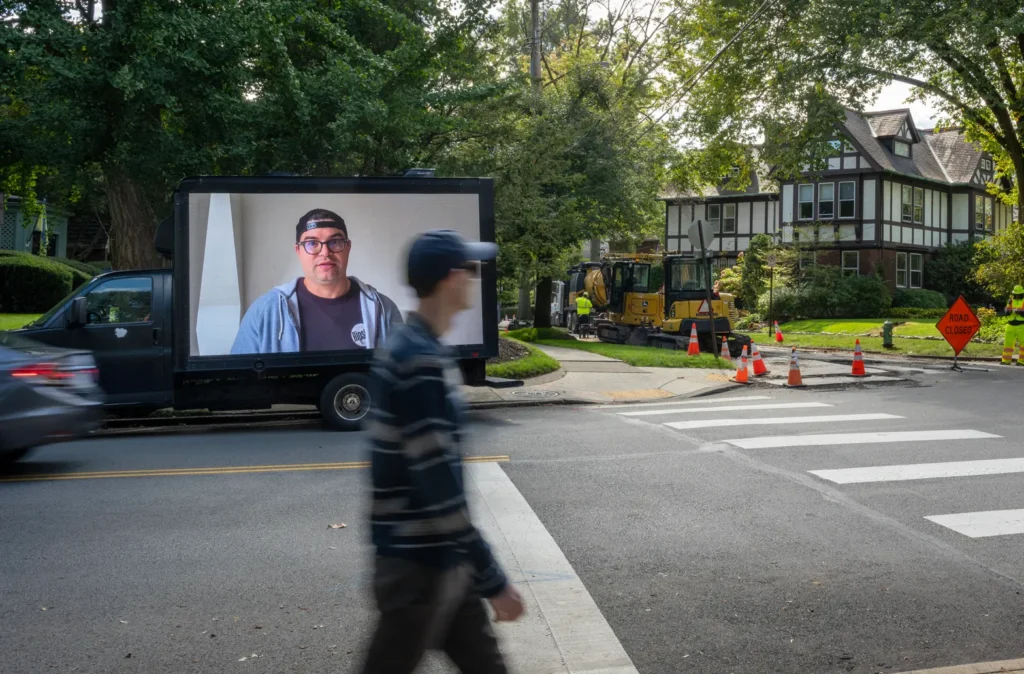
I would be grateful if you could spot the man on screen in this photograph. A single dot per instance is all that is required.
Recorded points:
(326, 309)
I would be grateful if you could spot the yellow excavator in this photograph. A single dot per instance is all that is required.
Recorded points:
(653, 300)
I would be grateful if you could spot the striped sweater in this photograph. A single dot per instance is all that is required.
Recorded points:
(419, 505)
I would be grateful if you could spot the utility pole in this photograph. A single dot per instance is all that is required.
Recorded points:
(524, 307)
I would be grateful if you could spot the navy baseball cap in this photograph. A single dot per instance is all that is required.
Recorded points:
(317, 218)
(436, 252)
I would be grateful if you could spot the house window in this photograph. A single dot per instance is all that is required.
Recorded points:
(900, 148)
(715, 217)
(729, 221)
(986, 164)
(919, 205)
(807, 259)
(908, 203)
(982, 217)
(916, 268)
(848, 147)
(901, 270)
(806, 198)
(847, 199)
(826, 201)
(851, 263)
(837, 145)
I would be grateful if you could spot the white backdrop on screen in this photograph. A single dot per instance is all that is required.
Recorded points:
(225, 279)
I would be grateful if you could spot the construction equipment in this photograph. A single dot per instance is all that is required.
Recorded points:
(625, 291)
(686, 305)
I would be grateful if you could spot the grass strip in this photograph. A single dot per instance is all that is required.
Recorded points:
(15, 321)
(534, 364)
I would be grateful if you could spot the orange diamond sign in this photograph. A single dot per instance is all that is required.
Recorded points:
(959, 325)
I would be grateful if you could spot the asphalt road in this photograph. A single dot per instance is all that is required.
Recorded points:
(702, 555)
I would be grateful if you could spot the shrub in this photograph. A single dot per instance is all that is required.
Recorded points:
(31, 284)
(952, 273)
(826, 293)
(920, 299)
(85, 267)
(993, 325)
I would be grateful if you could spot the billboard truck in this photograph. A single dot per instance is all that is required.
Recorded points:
(280, 289)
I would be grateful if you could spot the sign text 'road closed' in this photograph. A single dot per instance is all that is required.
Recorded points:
(959, 325)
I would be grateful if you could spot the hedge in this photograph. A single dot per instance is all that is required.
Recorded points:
(826, 293)
(919, 299)
(914, 312)
(86, 268)
(31, 284)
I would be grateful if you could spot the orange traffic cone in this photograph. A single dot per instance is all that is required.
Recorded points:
(693, 348)
(742, 376)
(794, 370)
(725, 349)
(778, 333)
(858, 361)
(759, 366)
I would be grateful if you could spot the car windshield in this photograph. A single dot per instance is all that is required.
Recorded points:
(687, 276)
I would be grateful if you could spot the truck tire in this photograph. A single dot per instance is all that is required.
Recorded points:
(8, 457)
(345, 401)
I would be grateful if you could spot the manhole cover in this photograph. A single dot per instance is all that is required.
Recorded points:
(535, 394)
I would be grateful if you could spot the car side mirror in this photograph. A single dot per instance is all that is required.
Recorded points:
(76, 313)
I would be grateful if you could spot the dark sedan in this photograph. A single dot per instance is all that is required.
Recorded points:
(46, 394)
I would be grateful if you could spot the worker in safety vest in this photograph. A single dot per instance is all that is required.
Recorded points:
(583, 307)
(1015, 328)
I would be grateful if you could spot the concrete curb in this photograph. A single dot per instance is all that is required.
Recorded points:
(1003, 666)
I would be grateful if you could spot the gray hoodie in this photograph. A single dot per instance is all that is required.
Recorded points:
(271, 324)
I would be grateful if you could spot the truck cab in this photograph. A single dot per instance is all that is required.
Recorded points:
(124, 319)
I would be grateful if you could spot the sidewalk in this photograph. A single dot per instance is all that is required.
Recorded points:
(591, 378)
(1003, 666)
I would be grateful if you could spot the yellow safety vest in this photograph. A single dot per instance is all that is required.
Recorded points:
(583, 306)
(1013, 306)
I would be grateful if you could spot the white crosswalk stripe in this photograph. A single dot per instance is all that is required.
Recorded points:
(921, 471)
(723, 408)
(769, 421)
(706, 414)
(770, 441)
(983, 524)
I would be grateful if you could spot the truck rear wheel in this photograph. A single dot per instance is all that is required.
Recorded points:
(345, 401)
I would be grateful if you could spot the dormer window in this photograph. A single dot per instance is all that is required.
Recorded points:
(986, 164)
(901, 148)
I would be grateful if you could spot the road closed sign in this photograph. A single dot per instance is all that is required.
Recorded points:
(959, 325)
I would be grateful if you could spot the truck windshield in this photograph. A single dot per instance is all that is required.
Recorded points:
(42, 320)
(687, 276)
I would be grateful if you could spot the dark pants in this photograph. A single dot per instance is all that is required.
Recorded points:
(423, 608)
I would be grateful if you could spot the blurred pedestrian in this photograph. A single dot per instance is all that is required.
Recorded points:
(432, 566)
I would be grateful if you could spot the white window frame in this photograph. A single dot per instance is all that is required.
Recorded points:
(728, 218)
(850, 269)
(902, 257)
(821, 201)
(919, 258)
(979, 213)
(800, 201)
(896, 144)
(918, 191)
(852, 200)
(986, 164)
(715, 220)
(906, 205)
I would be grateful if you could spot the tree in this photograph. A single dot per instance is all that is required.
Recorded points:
(798, 62)
(1000, 261)
(146, 92)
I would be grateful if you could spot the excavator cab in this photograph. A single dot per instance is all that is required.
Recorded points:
(686, 304)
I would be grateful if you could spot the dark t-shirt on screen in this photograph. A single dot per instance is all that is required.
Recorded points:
(330, 324)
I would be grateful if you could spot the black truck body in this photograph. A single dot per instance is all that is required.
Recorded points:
(146, 364)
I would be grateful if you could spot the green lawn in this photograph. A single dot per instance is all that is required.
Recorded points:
(533, 365)
(909, 347)
(15, 321)
(863, 326)
(639, 356)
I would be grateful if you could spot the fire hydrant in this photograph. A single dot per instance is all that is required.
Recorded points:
(887, 334)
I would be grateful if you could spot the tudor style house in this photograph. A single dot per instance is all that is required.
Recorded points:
(890, 197)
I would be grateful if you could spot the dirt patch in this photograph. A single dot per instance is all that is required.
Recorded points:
(508, 351)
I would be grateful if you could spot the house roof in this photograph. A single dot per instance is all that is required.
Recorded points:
(759, 183)
(959, 157)
(921, 164)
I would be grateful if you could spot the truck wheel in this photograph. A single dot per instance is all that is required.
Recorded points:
(9, 457)
(345, 401)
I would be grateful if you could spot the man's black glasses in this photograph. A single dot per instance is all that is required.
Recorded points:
(335, 245)
(473, 268)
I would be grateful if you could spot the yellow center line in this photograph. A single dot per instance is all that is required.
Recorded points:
(223, 470)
